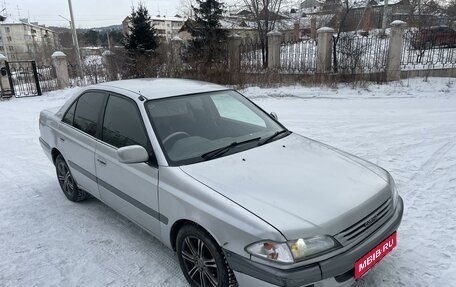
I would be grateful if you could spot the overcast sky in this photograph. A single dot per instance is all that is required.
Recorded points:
(87, 13)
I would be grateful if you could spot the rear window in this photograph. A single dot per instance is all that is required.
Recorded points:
(88, 111)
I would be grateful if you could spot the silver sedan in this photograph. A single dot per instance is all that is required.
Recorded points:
(239, 197)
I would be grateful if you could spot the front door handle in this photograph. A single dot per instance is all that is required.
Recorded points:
(101, 161)
(61, 139)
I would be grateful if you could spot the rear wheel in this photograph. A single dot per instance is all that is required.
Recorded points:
(66, 181)
(201, 259)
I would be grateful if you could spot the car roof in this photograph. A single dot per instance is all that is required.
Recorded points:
(158, 88)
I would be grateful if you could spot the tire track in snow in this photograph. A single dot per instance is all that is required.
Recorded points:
(430, 164)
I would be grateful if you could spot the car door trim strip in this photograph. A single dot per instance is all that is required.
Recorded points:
(82, 170)
(155, 214)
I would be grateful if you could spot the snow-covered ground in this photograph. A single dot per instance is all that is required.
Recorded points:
(407, 127)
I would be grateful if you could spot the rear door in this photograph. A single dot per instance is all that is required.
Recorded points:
(77, 138)
(131, 189)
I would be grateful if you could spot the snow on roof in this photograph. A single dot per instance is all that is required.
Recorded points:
(390, 2)
(243, 24)
(322, 20)
(236, 23)
(164, 18)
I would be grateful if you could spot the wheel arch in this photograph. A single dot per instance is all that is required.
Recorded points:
(54, 153)
(179, 224)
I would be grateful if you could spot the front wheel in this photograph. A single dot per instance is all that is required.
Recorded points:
(201, 259)
(66, 181)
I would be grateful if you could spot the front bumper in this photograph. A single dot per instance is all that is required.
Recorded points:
(338, 268)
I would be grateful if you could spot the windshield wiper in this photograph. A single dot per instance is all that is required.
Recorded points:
(276, 134)
(221, 151)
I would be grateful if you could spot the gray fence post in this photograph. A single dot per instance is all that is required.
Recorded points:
(393, 64)
(177, 44)
(324, 49)
(60, 63)
(108, 62)
(234, 53)
(5, 85)
(274, 39)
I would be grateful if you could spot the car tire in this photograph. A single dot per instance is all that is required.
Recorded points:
(202, 260)
(67, 182)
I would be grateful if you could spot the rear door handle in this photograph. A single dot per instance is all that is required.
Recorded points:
(101, 161)
(61, 139)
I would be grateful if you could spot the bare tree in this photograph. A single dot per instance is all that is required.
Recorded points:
(450, 8)
(265, 14)
(342, 18)
(185, 8)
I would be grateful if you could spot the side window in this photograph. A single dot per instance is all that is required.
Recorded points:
(88, 111)
(69, 116)
(122, 124)
(231, 108)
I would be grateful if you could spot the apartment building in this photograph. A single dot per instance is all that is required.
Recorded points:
(166, 27)
(22, 40)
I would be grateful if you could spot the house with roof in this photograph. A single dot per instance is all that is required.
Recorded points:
(244, 25)
(166, 27)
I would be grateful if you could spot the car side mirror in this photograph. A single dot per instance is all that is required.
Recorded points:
(132, 154)
(274, 116)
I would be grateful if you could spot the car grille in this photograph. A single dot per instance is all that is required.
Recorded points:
(367, 225)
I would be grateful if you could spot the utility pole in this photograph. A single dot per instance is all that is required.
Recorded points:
(75, 37)
(72, 35)
(109, 41)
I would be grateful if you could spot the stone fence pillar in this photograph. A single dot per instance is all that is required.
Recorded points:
(324, 50)
(177, 44)
(234, 54)
(60, 63)
(108, 62)
(5, 85)
(274, 39)
(393, 64)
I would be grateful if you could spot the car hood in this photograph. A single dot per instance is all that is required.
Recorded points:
(299, 186)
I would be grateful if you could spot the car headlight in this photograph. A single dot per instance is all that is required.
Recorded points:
(293, 250)
(394, 193)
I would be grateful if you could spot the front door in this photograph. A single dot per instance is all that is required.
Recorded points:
(131, 189)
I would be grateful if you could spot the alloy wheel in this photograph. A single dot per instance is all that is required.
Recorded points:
(65, 179)
(199, 262)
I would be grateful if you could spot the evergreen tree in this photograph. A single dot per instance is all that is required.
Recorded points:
(208, 36)
(91, 38)
(142, 37)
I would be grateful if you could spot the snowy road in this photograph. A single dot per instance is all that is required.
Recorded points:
(409, 128)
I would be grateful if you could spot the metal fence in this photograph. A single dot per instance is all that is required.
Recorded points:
(47, 78)
(93, 73)
(420, 52)
(23, 78)
(358, 54)
(298, 57)
(253, 56)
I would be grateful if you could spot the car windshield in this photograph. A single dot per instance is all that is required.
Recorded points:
(195, 128)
